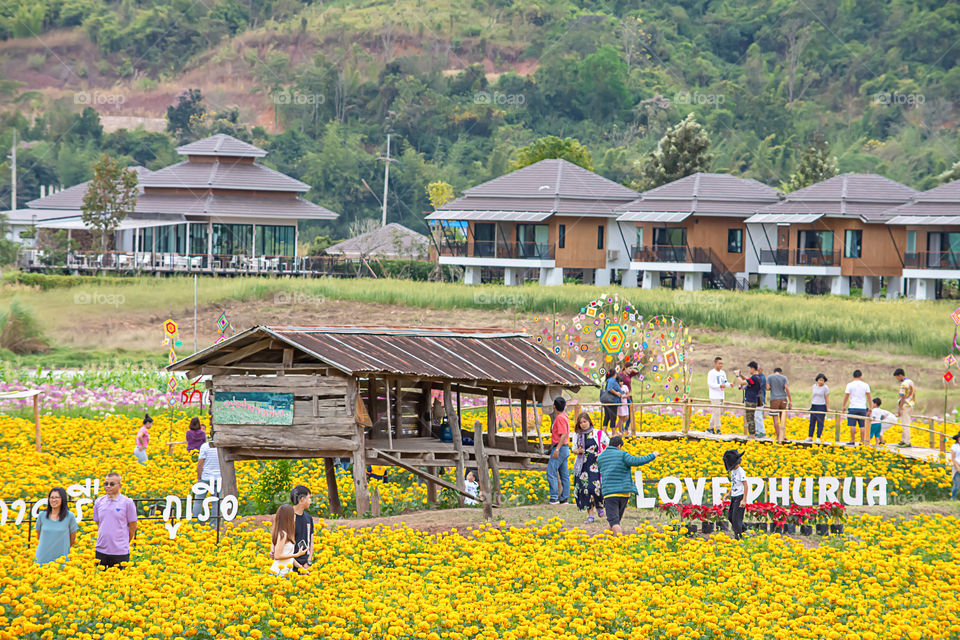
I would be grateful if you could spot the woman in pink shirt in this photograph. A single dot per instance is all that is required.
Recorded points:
(143, 439)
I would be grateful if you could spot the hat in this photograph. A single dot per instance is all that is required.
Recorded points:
(957, 437)
(731, 458)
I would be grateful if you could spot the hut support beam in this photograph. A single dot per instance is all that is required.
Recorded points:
(486, 494)
(454, 418)
(228, 475)
(492, 443)
(333, 494)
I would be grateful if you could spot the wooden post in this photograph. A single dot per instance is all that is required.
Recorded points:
(536, 421)
(360, 478)
(513, 426)
(933, 427)
(837, 425)
(376, 502)
(431, 485)
(639, 427)
(687, 410)
(523, 423)
(228, 474)
(36, 420)
(333, 494)
(454, 420)
(389, 417)
(486, 494)
(492, 442)
(372, 405)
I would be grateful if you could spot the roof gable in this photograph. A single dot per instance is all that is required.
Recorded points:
(221, 144)
(552, 177)
(848, 194)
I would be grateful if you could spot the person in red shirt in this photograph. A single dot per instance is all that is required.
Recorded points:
(559, 453)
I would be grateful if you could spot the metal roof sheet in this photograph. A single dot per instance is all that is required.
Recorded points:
(71, 198)
(221, 144)
(473, 356)
(783, 218)
(654, 216)
(942, 221)
(391, 241)
(714, 186)
(491, 216)
(127, 223)
(222, 175)
(553, 177)
(217, 206)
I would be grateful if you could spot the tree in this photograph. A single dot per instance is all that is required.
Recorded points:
(568, 149)
(815, 165)
(951, 174)
(603, 84)
(111, 196)
(439, 193)
(682, 151)
(189, 108)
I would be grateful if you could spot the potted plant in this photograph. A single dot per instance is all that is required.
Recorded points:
(838, 515)
(778, 516)
(721, 509)
(758, 519)
(822, 519)
(709, 517)
(800, 516)
(670, 511)
(689, 514)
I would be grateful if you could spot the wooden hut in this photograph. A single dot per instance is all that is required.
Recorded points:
(367, 394)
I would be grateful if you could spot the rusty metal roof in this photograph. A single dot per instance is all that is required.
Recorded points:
(474, 356)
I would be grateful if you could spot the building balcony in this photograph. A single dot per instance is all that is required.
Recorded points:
(810, 262)
(498, 254)
(680, 258)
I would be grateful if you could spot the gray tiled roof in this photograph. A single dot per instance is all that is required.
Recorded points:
(72, 197)
(233, 206)
(391, 241)
(864, 195)
(939, 201)
(221, 145)
(553, 177)
(223, 175)
(714, 186)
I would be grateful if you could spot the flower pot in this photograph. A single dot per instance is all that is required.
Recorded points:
(790, 529)
(823, 529)
(806, 530)
(761, 527)
(691, 529)
(836, 529)
(724, 525)
(707, 528)
(777, 528)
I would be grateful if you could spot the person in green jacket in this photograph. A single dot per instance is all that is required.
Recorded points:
(616, 483)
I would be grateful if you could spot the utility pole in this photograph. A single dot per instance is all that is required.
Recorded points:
(386, 180)
(13, 173)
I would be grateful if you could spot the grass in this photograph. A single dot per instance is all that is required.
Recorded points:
(912, 327)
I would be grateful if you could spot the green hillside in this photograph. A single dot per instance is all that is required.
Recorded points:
(463, 86)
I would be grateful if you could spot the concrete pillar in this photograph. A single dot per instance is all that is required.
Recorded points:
(629, 278)
(910, 288)
(894, 286)
(692, 281)
(840, 285)
(509, 276)
(601, 277)
(471, 275)
(588, 276)
(768, 281)
(551, 277)
(795, 284)
(651, 279)
(871, 286)
(926, 289)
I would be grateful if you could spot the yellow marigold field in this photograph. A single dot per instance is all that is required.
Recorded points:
(885, 579)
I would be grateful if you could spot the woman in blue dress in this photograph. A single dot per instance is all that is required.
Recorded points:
(56, 528)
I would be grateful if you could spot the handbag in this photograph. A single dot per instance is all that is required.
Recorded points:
(607, 397)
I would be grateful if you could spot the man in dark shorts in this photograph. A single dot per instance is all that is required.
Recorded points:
(300, 498)
(617, 485)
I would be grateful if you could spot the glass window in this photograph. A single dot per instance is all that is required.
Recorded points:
(484, 239)
(275, 240)
(600, 237)
(670, 236)
(911, 241)
(198, 239)
(232, 239)
(639, 236)
(562, 236)
(815, 240)
(734, 240)
(852, 243)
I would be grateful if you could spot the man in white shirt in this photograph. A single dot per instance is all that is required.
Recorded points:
(208, 471)
(857, 396)
(716, 383)
(955, 467)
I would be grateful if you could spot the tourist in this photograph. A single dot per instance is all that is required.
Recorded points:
(208, 471)
(857, 395)
(617, 484)
(301, 499)
(955, 467)
(737, 492)
(56, 528)
(610, 398)
(761, 402)
(586, 474)
(623, 411)
(717, 382)
(625, 377)
(143, 439)
(116, 518)
(472, 487)
(780, 401)
(751, 396)
(908, 398)
(282, 541)
(819, 403)
(878, 417)
(195, 434)
(559, 453)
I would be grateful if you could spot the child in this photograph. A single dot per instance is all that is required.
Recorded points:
(737, 492)
(878, 417)
(472, 487)
(282, 549)
(623, 411)
(143, 439)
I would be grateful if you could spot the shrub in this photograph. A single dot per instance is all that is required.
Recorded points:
(273, 486)
(20, 332)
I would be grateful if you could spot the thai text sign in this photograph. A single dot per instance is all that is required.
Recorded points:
(252, 407)
(784, 491)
